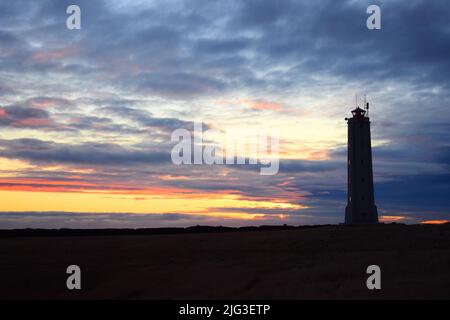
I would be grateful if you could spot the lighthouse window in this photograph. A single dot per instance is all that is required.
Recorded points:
(362, 180)
(362, 161)
(362, 198)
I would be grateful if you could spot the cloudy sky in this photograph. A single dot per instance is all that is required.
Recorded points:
(86, 115)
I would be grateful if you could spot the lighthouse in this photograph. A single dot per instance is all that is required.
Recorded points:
(361, 207)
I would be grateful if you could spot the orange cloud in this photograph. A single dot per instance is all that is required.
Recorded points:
(319, 155)
(391, 218)
(435, 222)
(78, 186)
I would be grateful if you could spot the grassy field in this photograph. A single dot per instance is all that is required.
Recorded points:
(304, 263)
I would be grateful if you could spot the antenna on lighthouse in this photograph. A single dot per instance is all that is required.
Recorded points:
(366, 105)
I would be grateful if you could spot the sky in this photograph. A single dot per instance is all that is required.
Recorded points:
(86, 116)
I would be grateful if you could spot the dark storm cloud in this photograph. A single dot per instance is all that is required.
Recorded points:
(225, 46)
(38, 151)
(293, 166)
(171, 57)
(9, 39)
(21, 117)
(146, 119)
(33, 113)
(416, 193)
(78, 122)
(331, 37)
(176, 85)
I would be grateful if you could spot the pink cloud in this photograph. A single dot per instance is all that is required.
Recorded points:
(33, 122)
(43, 103)
(263, 105)
(57, 54)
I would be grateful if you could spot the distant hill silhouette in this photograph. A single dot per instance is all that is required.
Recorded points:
(145, 231)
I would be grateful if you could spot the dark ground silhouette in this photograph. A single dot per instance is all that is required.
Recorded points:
(226, 263)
